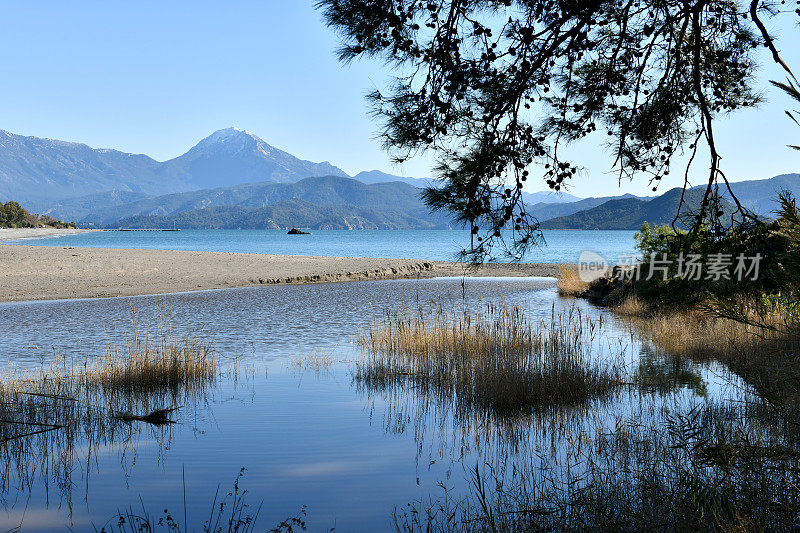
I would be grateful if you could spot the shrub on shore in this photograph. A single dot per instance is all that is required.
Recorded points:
(776, 243)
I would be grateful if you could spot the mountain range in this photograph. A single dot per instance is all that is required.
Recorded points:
(334, 202)
(630, 212)
(548, 210)
(232, 179)
(761, 196)
(329, 202)
(41, 172)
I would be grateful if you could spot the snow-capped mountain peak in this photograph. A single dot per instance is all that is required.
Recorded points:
(228, 136)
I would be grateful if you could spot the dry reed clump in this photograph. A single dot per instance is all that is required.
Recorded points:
(698, 333)
(569, 281)
(498, 361)
(632, 306)
(136, 378)
(761, 347)
(146, 364)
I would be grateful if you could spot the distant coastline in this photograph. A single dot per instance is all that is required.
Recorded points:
(12, 234)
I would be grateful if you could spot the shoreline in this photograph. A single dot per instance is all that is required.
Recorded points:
(12, 234)
(30, 273)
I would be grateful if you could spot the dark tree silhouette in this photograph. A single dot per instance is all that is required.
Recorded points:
(791, 89)
(497, 88)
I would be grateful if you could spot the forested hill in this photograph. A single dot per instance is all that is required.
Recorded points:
(631, 213)
(329, 202)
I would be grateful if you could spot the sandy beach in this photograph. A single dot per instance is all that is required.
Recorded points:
(54, 272)
(8, 234)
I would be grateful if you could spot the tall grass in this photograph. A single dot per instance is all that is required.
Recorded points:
(142, 372)
(761, 345)
(498, 361)
(49, 412)
(569, 281)
(161, 362)
(701, 333)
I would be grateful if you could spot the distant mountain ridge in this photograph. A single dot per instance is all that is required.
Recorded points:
(326, 190)
(376, 176)
(45, 173)
(234, 168)
(34, 170)
(547, 211)
(293, 213)
(630, 213)
(761, 196)
(549, 197)
(329, 202)
(346, 203)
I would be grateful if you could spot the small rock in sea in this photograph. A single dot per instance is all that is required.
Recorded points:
(295, 231)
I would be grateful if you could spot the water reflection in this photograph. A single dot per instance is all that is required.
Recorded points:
(265, 324)
(309, 433)
(661, 373)
(563, 460)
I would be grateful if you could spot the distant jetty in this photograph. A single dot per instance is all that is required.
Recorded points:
(295, 231)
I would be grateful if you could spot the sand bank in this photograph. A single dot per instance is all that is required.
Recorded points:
(52, 272)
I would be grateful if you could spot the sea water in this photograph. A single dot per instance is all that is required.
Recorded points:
(560, 246)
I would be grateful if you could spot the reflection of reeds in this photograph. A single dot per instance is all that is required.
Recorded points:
(762, 347)
(47, 413)
(229, 513)
(719, 467)
(499, 361)
(316, 362)
(663, 374)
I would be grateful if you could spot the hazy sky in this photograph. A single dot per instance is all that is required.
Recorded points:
(156, 77)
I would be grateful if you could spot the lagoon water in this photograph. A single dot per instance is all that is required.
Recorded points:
(562, 246)
(308, 436)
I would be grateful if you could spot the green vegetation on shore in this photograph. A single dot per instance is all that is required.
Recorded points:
(13, 215)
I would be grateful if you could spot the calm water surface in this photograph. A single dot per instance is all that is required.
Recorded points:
(307, 437)
(439, 245)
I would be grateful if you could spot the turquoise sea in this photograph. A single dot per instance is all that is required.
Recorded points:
(562, 246)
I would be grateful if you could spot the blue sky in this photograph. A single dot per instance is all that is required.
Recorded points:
(156, 77)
